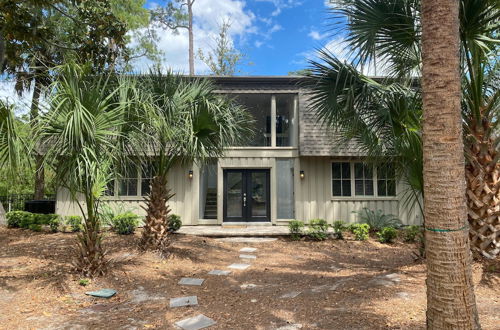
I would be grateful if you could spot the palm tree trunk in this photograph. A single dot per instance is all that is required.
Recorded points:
(483, 192)
(191, 38)
(2, 50)
(450, 292)
(39, 170)
(155, 231)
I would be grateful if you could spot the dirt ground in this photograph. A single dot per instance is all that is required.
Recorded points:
(341, 285)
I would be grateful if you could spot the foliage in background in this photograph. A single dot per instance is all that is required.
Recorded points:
(378, 220)
(411, 233)
(107, 211)
(223, 59)
(318, 229)
(296, 228)
(74, 222)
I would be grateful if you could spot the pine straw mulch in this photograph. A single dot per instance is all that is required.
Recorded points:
(342, 285)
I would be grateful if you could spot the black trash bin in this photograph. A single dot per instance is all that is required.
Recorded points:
(40, 206)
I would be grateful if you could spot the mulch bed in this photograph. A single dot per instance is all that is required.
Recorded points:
(342, 284)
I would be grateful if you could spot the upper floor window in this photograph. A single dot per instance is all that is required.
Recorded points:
(280, 132)
(359, 179)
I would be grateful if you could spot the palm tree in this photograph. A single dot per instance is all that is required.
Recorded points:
(12, 144)
(450, 292)
(389, 33)
(79, 133)
(186, 122)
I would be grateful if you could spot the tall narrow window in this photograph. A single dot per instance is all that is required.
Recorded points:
(386, 180)
(363, 179)
(284, 176)
(285, 104)
(128, 182)
(341, 179)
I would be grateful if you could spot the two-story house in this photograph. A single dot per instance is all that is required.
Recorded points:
(291, 169)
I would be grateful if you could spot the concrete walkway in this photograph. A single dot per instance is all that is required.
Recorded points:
(224, 231)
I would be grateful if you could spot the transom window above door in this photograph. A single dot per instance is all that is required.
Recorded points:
(351, 179)
(280, 132)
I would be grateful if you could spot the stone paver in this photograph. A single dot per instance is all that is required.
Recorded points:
(248, 286)
(290, 295)
(291, 327)
(199, 321)
(248, 250)
(247, 239)
(239, 266)
(184, 301)
(219, 272)
(247, 256)
(191, 281)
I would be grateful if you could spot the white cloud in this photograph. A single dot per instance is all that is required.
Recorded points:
(280, 5)
(315, 35)
(208, 16)
(258, 43)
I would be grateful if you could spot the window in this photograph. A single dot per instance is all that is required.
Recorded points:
(134, 181)
(363, 179)
(261, 107)
(341, 179)
(386, 180)
(284, 187)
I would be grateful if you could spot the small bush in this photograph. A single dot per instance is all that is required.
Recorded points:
(174, 223)
(387, 235)
(296, 228)
(411, 233)
(14, 218)
(378, 220)
(27, 220)
(360, 231)
(54, 223)
(74, 221)
(339, 227)
(318, 229)
(125, 224)
(35, 227)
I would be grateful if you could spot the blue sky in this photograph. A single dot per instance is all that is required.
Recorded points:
(277, 36)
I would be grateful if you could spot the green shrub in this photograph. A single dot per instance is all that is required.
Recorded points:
(339, 227)
(296, 228)
(35, 227)
(174, 223)
(360, 231)
(387, 235)
(318, 229)
(74, 221)
(411, 233)
(84, 282)
(14, 218)
(54, 222)
(107, 211)
(377, 219)
(125, 224)
(27, 220)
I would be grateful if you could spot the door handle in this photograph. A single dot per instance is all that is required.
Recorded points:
(244, 199)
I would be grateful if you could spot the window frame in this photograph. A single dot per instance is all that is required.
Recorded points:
(116, 187)
(353, 195)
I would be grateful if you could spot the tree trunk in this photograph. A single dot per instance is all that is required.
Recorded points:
(2, 51)
(191, 41)
(155, 231)
(39, 170)
(450, 292)
(483, 191)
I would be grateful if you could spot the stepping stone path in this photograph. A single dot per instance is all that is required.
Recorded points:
(194, 323)
(201, 321)
(219, 272)
(191, 281)
(247, 239)
(247, 256)
(239, 266)
(184, 301)
(290, 295)
(248, 250)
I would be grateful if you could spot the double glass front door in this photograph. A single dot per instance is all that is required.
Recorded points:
(246, 195)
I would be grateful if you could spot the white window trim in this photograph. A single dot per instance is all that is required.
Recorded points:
(353, 196)
(117, 196)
